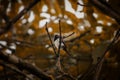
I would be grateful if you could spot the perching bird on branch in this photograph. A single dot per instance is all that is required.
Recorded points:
(57, 42)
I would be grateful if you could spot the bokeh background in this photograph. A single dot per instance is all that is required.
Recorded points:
(93, 32)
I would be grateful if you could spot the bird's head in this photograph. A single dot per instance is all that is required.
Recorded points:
(56, 36)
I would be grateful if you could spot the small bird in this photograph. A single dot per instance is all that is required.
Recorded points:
(57, 43)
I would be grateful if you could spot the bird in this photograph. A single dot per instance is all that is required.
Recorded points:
(57, 43)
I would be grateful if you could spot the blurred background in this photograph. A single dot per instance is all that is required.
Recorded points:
(93, 32)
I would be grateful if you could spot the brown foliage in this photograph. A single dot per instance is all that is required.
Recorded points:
(25, 36)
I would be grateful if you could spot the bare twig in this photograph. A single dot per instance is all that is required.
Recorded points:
(86, 5)
(68, 35)
(82, 35)
(24, 65)
(100, 62)
(9, 25)
(98, 70)
(98, 65)
(7, 47)
(58, 64)
(51, 40)
(5, 17)
(15, 70)
(59, 39)
(106, 8)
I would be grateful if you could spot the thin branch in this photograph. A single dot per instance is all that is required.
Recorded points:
(101, 60)
(58, 64)
(106, 8)
(6, 18)
(15, 70)
(68, 35)
(50, 40)
(86, 5)
(82, 35)
(24, 65)
(59, 39)
(7, 47)
(9, 25)
(98, 70)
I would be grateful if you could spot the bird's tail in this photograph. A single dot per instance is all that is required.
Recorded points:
(68, 52)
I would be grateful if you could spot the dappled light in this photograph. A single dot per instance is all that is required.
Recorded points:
(59, 40)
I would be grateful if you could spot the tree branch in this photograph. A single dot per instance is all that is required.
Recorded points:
(24, 65)
(106, 8)
(15, 70)
(58, 64)
(9, 25)
(98, 65)
(50, 40)
(60, 39)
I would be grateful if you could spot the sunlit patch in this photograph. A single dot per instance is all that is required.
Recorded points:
(60, 15)
(6, 35)
(65, 16)
(8, 51)
(87, 23)
(9, 8)
(95, 15)
(99, 29)
(18, 43)
(69, 22)
(44, 8)
(100, 21)
(80, 8)
(46, 15)
(21, 8)
(19, 1)
(46, 46)
(3, 43)
(43, 22)
(31, 32)
(53, 17)
(13, 46)
(107, 0)
(22, 17)
(24, 21)
(92, 41)
(32, 17)
(81, 27)
(53, 11)
(109, 23)
(69, 8)
(56, 21)
(50, 29)
(79, 14)
(51, 49)
(3, 21)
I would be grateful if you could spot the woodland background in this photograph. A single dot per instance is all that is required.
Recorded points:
(25, 51)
